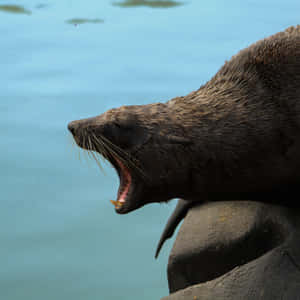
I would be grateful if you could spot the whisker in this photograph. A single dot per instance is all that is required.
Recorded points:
(128, 160)
(88, 156)
(100, 148)
(123, 155)
(94, 155)
(73, 146)
(84, 142)
(101, 144)
(97, 161)
(79, 154)
(105, 149)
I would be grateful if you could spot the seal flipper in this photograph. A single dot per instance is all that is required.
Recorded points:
(178, 214)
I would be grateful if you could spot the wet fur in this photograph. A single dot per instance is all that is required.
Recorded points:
(236, 137)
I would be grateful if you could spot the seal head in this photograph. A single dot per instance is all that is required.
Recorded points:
(131, 139)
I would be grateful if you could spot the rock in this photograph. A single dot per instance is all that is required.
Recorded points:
(236, 250)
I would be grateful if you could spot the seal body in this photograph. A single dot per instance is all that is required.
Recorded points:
(236, 137)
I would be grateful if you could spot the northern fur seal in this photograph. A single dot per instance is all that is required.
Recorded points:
(236, 137)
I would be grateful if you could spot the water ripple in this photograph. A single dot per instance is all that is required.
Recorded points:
(148, 3)
(77, 21)
(15, 9)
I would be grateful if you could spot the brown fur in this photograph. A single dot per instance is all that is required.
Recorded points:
(235, 137)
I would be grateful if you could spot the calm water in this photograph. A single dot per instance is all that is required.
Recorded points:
(64, 60)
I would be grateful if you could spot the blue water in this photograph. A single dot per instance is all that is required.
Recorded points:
(64, 60)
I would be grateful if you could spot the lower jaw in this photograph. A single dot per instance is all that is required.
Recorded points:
(128, 206)
(134, 199)
(124, 209)
(121, 210)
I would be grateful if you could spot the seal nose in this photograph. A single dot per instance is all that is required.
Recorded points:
(71, 127)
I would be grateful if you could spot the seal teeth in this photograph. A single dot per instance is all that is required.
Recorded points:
(113, 202)
(117, 203)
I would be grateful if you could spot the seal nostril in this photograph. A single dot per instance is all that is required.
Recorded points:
(71, 127)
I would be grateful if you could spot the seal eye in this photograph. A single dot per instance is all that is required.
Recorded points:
(127, 136)
(117, 124)
(122, 135)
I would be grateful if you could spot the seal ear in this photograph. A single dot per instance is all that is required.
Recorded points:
(174, 139)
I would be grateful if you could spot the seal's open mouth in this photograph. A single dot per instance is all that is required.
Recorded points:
(130, 174)
(125, 185)
(130, 192)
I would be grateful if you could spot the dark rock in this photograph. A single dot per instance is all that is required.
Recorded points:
(236, 250)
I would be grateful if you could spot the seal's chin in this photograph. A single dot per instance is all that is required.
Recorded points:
(128, 192)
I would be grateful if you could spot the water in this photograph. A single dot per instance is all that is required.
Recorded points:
(65, 60)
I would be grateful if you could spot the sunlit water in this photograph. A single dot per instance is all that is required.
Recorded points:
(65, 60)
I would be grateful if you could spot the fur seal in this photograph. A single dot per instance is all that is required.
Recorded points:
(236, 137)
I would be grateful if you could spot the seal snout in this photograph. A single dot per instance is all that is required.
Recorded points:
(72, 127)
(77, 130)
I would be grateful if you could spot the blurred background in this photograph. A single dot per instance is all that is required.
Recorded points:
(64, 60)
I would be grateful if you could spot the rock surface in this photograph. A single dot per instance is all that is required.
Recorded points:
(236, 250)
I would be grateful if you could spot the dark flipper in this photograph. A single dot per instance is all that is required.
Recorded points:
(178, 214)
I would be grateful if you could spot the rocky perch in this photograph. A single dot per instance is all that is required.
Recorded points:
(236, 250)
